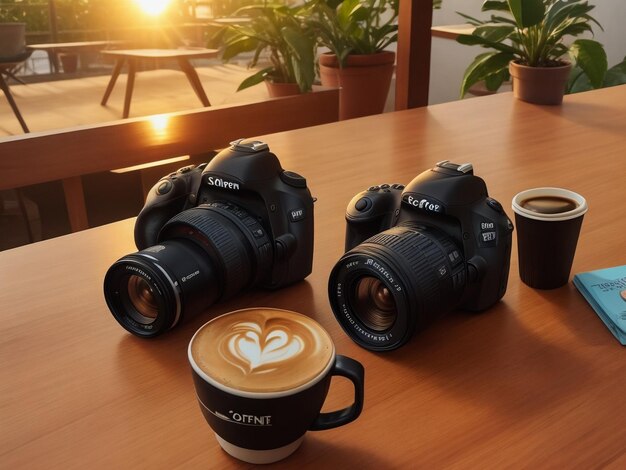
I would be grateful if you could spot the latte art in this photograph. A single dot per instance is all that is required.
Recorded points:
(256, 351)
(262, 350)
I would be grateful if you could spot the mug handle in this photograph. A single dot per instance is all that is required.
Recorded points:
(352, 370)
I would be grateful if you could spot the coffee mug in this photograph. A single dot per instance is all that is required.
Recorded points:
(261, 377)
(548, 224)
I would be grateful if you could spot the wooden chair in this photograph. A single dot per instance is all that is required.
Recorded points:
(67, 154)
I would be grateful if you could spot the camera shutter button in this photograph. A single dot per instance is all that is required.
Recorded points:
(293, 179)
(363, 204)
(164, 188)
(495, 205)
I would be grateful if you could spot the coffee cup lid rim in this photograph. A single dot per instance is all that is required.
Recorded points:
(550, 191)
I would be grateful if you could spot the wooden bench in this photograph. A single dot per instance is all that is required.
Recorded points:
(67, 154)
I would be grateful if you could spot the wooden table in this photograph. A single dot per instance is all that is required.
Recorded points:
(451, 31)
(535, 382)
(54, 48)
(132, 56)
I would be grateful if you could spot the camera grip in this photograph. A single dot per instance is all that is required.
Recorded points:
(166, 198)
(370, 212)
(153, 217)
(354, 371)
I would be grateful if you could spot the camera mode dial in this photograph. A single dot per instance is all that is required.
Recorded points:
(248, 145)
(465, 168)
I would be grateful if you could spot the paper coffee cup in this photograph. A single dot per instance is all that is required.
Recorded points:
(546, 241)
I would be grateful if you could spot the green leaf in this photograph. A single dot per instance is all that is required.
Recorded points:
(255, 79)
(494, 81)
(590, 56)
(616, 75)
(577, 81)
(496, 33)
(474, 40)
(483, 66)
(470, 19)
(302, 58)
(495, 5)
(527, 12)
(237, 46)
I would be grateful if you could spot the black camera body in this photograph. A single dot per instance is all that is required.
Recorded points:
(419, 251)
(207, 232)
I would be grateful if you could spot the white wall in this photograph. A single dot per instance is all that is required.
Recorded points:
(449, 59)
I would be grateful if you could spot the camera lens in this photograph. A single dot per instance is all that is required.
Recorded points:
(373, 303)
(142, 298)
(395, 283)
(204, 255)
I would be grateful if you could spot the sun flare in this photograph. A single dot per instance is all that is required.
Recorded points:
(153, 7)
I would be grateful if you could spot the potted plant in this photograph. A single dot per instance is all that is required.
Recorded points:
(528, 38)
(357, 33)
(280, 31)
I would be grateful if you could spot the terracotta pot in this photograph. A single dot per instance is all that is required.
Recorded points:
(539, 85)
(276, 90)
(363, 81)
(69, 62)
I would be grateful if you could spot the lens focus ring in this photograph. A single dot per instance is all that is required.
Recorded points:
(216, 234)
(426, 259)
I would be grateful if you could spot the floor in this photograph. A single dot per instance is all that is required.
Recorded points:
(67, 103)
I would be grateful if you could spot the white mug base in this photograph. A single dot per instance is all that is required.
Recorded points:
(259, 456)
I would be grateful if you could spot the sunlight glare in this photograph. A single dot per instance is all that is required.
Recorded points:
(153, 7)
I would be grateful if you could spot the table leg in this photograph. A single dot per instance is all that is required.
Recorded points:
(16, 110)
(130, 83)
(194, 80)
(114, 75)
(53, 58)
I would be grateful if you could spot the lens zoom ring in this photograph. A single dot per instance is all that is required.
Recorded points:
(236, 270)
(423, 257)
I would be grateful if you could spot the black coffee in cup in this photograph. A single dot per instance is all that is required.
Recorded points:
(548, 222)
(549, 204)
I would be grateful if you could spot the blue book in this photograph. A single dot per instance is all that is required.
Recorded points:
(605, 290)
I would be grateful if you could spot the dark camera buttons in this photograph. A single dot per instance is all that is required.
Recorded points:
(293, 179)
(384, 186)
(455, 257)
(397, 186)
(458, 279)
(373, 188)
(363, 204)
(185, 169)
(164, 188)
(495, 205)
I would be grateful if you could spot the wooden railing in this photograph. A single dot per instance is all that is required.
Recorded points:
(68, 154)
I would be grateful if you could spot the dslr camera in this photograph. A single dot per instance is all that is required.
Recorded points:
(208, 232)
(415, 253)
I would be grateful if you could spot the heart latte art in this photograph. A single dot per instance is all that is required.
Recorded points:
(254, 350)
(262, 350)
